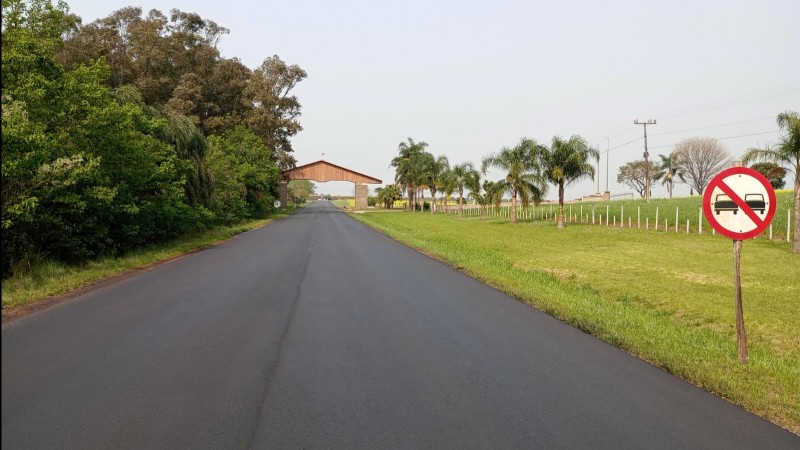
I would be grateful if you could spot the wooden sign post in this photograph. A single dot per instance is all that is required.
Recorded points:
(739, 203)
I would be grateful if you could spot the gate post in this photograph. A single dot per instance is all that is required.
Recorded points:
(283, 193)
(362, 191)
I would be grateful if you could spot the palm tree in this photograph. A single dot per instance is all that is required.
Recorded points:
(671, 171)
(437, 171)
(448, 186)
(492, 195)
(464, 177)
(565, 162)
(524, 178)
(387, 195)
(407, 167)
(785, 154)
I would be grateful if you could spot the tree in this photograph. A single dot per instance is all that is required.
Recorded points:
(300, 190)
(465, 176)
(275, 113)
(492, 194)
(786, 153)
(83, 173)
(670, 171)
(565, 162)
(524, 178)
(244, 175)
(634, 174)
(407, 167)
(773, 172)
(448, 186)
(388, 195)
(699, 159)
(436, 174)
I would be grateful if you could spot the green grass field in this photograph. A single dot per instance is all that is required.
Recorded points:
(666, 297)
(629, 212)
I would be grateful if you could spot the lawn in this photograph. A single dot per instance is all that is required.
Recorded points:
(666, 297)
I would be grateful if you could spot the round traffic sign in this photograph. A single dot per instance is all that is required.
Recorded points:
(739, 203)
(277, 204)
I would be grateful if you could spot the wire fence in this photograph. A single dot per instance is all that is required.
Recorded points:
(679, 215)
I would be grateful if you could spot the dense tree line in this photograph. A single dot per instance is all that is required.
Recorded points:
(131, 130)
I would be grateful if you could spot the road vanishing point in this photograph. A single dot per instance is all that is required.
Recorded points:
(318, 332)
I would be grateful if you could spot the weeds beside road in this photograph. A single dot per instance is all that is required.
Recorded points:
(50, 278)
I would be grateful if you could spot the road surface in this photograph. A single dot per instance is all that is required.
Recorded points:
(317, 332)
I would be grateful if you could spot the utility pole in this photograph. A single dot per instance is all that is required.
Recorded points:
(646, 164)
(598, 172)
(608, 155)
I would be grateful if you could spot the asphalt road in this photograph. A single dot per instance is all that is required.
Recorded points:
(317, 332)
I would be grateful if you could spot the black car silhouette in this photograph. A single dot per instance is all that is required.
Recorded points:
(754, 201)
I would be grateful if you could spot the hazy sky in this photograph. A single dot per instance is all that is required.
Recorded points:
(471, 77)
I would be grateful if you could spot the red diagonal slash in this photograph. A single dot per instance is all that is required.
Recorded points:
(742, 205)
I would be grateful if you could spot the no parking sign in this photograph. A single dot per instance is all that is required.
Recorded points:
(739, 203)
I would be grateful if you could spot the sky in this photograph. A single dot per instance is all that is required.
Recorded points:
(470, 77)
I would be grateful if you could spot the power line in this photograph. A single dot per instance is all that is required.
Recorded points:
(693, 129)
(713, 126)
(622, 145)
(764, 94)
(727, 137)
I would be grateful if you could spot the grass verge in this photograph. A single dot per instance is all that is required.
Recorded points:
(52, 278)
(665, 297)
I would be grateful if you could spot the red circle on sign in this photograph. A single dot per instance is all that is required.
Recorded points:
(717, 181)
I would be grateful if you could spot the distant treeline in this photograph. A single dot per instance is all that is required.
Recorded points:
(132, 130)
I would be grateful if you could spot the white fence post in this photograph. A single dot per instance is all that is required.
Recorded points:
(700, 221)
(656, 218)
(676, 219)
(687, 226)
(647, 221)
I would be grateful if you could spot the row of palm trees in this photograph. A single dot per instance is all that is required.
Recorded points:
(530, 169)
